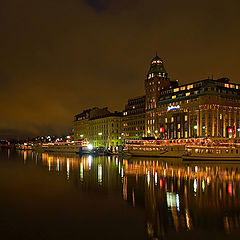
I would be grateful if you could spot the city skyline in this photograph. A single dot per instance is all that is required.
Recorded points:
(97, 53)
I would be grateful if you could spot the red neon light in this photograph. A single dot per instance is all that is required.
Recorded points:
(230, 130)
(230, 189)
(161, 183)
(161, 129)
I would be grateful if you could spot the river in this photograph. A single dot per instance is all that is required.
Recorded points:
(65, 196)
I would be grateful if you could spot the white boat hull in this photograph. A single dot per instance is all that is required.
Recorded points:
(212, 158)
(167, 152)
(63, 148)
(214, 153)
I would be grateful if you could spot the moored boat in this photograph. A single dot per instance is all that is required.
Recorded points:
(25, 146)
(67, 147)
(5, 144)
(155, 148)
(212, 153)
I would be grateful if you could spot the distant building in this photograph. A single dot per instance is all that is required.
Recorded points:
(100, 126)
(133, 121)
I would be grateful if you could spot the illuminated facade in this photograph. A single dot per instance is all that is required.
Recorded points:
(156, 81)
(100, 126)
(207, 108)
(133, 121)
(200, 109)
(180, 197)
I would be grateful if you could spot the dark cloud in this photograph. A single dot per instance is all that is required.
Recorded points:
(59, 57)
(98, 5)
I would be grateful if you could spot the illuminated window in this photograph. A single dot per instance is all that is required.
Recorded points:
(188, 93)
(159, 82)
(176, 89)
(179, 126)
(185, 117)
(232, 86)
(236, 86)
(183, 88)
(179, 135)
(173, 97)
(186, 134)
(165, 120)
(220, 116)
(190, 86)
(226, 85)
(195, 92)
(172, 119)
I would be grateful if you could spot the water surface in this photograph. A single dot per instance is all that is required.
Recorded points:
(65, 196)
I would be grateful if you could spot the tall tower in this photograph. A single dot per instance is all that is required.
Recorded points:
(157, 80)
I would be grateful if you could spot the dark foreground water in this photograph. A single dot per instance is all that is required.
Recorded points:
(53, 196)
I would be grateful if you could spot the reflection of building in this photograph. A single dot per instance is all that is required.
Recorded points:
(133, 121)
(100, 126)
(181, 200)
(86, 172)
(185, 197)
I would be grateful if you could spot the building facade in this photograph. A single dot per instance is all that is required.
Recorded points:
(208, 108)
(100, 126)
(157, 80)
(133, 121)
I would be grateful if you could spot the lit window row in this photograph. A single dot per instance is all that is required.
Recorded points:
(158, 62)
(227, 85)
(151, 75)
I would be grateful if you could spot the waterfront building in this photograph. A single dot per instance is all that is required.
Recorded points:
(81, 126)
(157, 80)
(207, 108)
(100, 126)
(133, 121)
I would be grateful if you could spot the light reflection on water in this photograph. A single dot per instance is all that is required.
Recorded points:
(179, 199)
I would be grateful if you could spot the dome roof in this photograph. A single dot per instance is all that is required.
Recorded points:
(156, 66)
(157, 58)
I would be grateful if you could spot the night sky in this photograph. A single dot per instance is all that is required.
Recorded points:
(59, 57)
